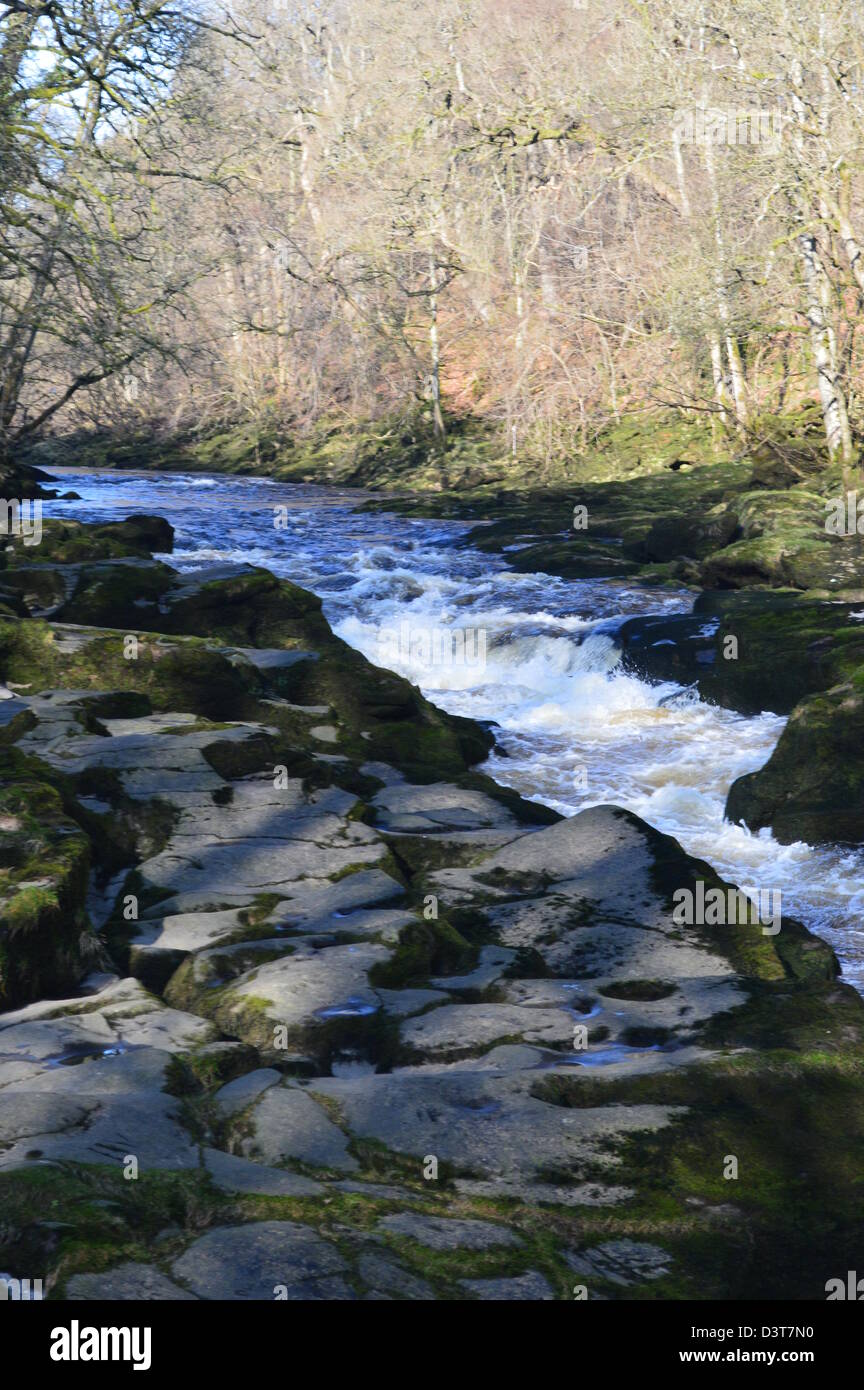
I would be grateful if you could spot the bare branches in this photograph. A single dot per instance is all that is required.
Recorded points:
(551, 215)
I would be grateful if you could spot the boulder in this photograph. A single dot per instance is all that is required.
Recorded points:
(812, 787)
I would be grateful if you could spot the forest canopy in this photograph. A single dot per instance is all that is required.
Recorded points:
(545, 214)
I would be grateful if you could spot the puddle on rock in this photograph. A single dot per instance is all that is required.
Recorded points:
(83, 1052)
(604, 1057)
(353, 1007)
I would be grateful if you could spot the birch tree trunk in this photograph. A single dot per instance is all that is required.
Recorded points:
(834, 413)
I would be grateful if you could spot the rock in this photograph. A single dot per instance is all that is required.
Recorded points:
(439, 808)
(243, 1091)
(447, 1233)
(318, 907)
(224, 1061)
(303, 992)
(785, 647)
(459, 1030)
(577, 558)
(484, 1121)
(68, 542)
(623, 1262)
(384, 1275)
(135, 1283)
(234, 1174)
(287, 1124)
(493, 962)
(402, 1003)
(694, 536)
(541, 1194)
(264, 1260)
(183, 932)
(784, 544)
(147, 533)
(765, 512)
(523, 1288)
(782, 561)
(812, 787)
(99, 1128)
(91, 1084)
(45, 945)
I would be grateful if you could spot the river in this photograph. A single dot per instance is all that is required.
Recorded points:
(535, 654)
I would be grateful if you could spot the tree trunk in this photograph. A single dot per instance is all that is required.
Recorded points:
(834, 412)
(724, 313)
(435, 374)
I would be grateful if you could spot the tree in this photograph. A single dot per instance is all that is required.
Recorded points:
(85, 91)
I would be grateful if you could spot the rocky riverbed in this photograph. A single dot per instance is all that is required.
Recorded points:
(297, 1003)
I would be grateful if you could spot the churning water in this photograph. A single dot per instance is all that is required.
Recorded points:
(535, 654)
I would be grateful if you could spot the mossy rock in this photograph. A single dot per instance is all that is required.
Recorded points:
(812, 787)
(35, 588)
(125, 594)
(201, 681)
(790, 953)
(66, 542)
(789, 555)
(251, 608)
(750, 650)
(45, 942)
(425, 949)
(694, 535)
(22, 480)
(763, 512)
(139, 532)
(380, 715)
(184, 675)
(794, 1121)
(574, 559)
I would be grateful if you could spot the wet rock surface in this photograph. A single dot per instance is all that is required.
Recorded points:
(300, 1017)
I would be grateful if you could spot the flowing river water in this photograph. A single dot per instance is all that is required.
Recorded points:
(535, 654)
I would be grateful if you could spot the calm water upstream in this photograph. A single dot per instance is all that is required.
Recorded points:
(575, 729)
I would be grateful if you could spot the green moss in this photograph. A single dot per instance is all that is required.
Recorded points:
(62, 1219)
(66, 542)
(44, 869)
(425, 949)
(812, 787)
(638, 990)
(792, 1218)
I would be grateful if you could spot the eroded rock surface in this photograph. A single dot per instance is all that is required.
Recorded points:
(330, 1016)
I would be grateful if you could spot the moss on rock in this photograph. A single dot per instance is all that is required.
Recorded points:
(45, 942)
(812, 787)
